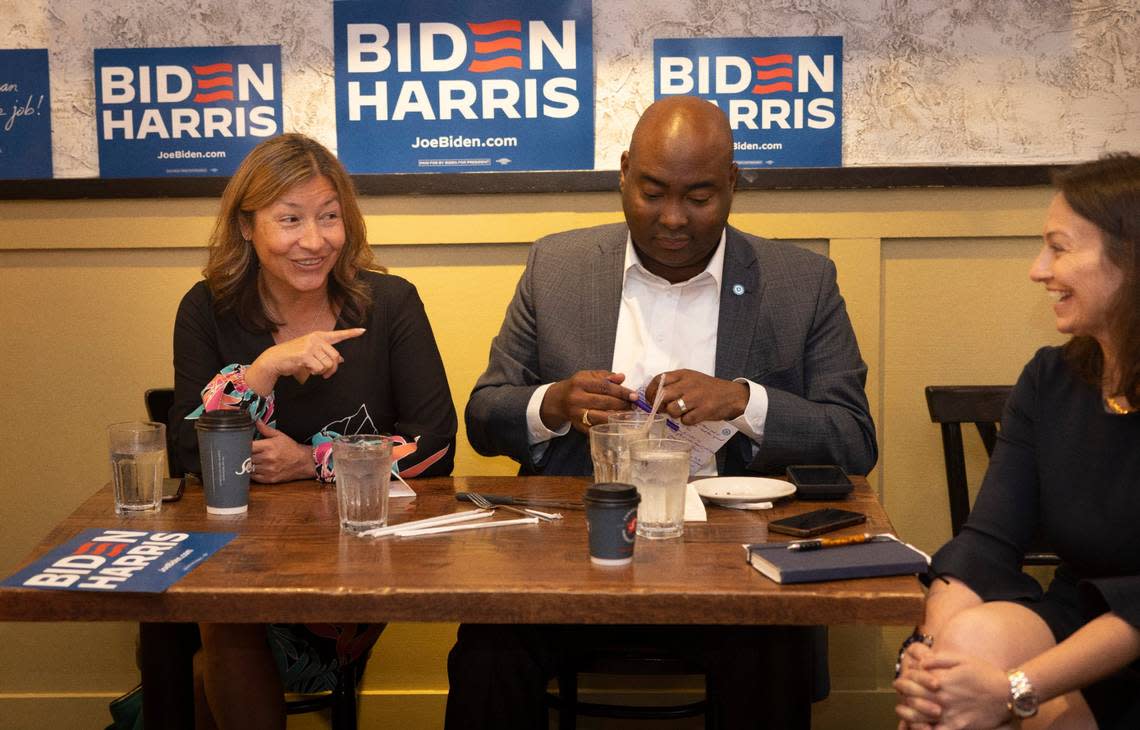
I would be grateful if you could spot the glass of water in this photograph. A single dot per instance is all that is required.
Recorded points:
(363, 466)
(138, 465)
(660, 471)
(609, 450)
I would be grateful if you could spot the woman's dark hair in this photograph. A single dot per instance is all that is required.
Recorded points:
(1107, 193)
(272, 168)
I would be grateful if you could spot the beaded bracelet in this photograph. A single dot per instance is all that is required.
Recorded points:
(915, 637)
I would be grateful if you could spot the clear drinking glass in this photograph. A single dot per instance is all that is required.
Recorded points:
(363, 466)
(138, 465)
(660, 471)
(641, 418)
(609, 449)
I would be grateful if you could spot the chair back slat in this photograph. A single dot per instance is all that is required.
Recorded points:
(988, 432)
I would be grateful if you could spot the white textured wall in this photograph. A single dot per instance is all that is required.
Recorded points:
(926, 81)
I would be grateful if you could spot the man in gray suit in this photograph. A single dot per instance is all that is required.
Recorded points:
(745, 330)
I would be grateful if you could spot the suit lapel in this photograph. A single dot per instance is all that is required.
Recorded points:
(604, 300)
(740, 296)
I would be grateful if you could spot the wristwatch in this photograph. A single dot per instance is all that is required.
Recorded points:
(1022, 697)
(915, 637)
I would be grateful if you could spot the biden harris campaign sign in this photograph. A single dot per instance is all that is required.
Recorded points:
(783, 96)
(166, 112)
(464, 85)
(120, 561)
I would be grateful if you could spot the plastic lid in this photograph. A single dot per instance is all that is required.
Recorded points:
(612, 493)
(224, 421)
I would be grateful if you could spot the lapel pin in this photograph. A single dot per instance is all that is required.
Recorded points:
(737, 289)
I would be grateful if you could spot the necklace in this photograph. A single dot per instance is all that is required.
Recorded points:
(317, 321)
(1115, 407)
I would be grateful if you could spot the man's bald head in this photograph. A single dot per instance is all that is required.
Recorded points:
(677, 180)
(679, 122)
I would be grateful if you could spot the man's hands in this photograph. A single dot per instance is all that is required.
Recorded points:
(692, 397)
(597, 391)
(601, 392)
(311, 354)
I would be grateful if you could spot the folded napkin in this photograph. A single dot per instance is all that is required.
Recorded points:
(694, 507)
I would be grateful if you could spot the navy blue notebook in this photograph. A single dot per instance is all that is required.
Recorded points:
(865, 560)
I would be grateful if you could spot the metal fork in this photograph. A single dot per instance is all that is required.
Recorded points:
(480, 501)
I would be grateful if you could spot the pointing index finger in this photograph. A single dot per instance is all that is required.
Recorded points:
(336, 336)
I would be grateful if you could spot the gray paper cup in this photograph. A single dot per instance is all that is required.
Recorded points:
(611, 518)
(224, 442)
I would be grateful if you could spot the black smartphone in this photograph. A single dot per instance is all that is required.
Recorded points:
(816, 522)
(820, 481)
(172, 488)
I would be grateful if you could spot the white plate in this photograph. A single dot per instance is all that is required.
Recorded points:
(733, 490)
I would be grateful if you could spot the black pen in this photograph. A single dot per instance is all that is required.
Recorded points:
(828, 542)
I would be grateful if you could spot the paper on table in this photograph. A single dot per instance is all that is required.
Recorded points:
(706, 437)
(399, 489)
(694, 507)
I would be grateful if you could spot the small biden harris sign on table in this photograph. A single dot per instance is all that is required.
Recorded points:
(121, 561)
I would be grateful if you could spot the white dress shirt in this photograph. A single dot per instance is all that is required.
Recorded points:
(662, 327)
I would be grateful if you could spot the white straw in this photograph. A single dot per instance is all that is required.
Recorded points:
(473, 514)
(547, 515)
(457, 528)
(656, 404)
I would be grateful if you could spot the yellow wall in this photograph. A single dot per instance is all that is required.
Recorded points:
(934, 279)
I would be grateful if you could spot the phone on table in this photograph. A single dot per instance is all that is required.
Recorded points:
(172, 488)
(816, 522)
(820, 481)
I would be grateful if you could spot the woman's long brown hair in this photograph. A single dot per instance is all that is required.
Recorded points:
(1107, 193)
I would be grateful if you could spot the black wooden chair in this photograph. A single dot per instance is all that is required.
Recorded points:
(951, 406)
(159, 401)
(341, 701)
(626, 661)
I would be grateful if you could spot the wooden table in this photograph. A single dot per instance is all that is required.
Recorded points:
(290, 563)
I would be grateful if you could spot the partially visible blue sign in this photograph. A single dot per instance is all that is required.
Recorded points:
(120, 561)
(464, 85)
(173, 112)
(783, 96)
(25, 114)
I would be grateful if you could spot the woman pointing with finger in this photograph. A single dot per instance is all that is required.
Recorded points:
(295, 323)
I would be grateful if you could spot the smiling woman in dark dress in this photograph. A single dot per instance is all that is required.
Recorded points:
(994, 649)
(291, 291)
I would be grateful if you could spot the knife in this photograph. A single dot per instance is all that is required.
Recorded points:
(525, 501)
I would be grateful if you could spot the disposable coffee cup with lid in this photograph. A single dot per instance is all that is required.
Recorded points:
(225, 441)
(611, 518)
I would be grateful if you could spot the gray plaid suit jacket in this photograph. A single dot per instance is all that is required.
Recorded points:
(788, 330)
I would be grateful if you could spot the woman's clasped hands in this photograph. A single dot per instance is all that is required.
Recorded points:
(949, 690)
